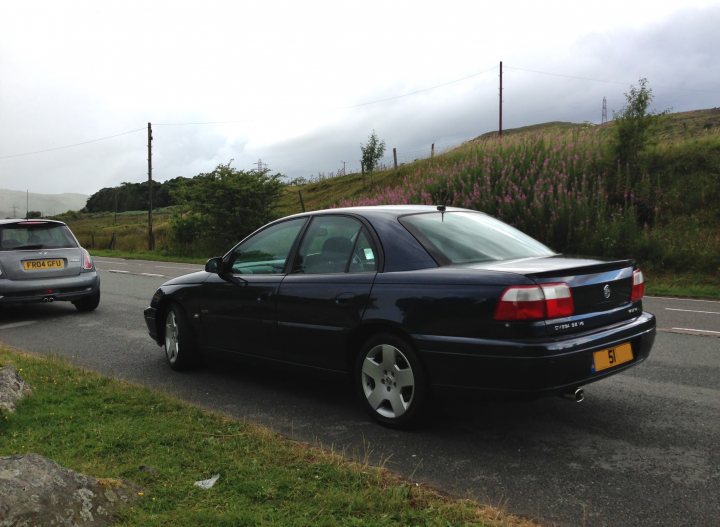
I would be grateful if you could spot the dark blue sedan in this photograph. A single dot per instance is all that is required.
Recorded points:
(409, 300)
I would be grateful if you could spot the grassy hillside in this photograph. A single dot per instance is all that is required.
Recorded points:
(677, 127)
(559, 182)
(129, 230)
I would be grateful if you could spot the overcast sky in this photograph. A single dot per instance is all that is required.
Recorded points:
(301, 84)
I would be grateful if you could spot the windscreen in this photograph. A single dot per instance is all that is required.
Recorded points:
(470, 237)
(35, 235)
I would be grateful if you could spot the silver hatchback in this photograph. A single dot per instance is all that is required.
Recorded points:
(42, 261)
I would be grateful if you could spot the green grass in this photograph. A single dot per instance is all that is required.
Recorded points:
(109, 429)
(686, 285)
(149, 255)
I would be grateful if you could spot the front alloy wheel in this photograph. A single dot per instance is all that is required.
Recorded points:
(179, 343)
(171, 337)
(391, 381)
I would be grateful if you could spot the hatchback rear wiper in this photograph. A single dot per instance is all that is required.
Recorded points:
(28, 247)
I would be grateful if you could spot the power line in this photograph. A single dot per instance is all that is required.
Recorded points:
(605, 81)
(367, 103)
(394, 97)
(198, 123)
(72, 145)
(564, 76)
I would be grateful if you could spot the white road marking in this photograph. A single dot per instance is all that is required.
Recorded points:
(111, 261)
(683, 299)
(17, 324)
(176, 267)
(698, 330)
(693, 311)
(136, 274)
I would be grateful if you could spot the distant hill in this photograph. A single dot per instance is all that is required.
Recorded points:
(13, 203)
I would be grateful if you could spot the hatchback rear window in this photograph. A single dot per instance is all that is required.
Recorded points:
(20, 236)
(470, 237)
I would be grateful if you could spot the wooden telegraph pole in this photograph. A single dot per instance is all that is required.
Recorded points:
(500, 118)
(151, 238)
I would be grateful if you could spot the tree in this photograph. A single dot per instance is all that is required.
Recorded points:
(131, 196)
(634, 125)
(219, 208)
(372, 152)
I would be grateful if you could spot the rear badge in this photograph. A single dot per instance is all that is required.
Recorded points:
(606, 291)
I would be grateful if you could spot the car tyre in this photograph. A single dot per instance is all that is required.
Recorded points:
(390, 381)
(88, 303)
(180, 346)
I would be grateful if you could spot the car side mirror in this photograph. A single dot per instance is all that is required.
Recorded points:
(214, 265)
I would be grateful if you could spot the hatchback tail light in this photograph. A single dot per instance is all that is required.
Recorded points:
(638, 286)
(533, 302)
(87, 263)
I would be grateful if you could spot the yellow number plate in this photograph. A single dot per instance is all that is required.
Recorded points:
(610, 357)
(43, 265)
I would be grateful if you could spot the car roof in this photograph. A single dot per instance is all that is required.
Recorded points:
(382, 211)
(31, 221)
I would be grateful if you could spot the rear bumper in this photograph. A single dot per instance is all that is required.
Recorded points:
(60, 289)
(530, 366)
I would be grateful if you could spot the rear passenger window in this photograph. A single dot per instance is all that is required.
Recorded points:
(335, 244)
(363, 259)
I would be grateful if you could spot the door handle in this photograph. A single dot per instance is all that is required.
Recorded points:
(345, 298)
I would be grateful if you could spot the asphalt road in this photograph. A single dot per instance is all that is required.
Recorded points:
(641, 450)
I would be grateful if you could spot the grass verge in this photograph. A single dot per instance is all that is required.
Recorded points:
(150, 256)
(111, 429)
(685, 285)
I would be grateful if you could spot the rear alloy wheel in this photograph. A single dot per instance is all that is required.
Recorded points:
(180, 349)
(88, 303)
(391, 381)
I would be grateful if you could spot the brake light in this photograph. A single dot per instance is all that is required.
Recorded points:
(638, 286)
(532, 302)
(86, 261)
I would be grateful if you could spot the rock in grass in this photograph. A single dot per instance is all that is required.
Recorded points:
(12, 388)
(36, 491)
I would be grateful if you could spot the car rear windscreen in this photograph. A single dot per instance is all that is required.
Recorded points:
(27, 236)
(470, 237)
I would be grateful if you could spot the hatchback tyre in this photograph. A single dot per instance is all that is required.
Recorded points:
(390, 381)
(180, 347)
(88, 303)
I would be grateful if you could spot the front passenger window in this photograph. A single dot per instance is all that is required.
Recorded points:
(267, 251)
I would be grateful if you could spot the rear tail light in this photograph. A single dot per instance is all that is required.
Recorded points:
(525, 302)
(638, 286)
(532, 302)
(87, 263)
(558, 300)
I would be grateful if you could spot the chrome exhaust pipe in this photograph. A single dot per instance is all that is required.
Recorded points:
(48, 299)
(577, 395)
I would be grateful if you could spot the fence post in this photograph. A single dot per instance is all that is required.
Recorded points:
(302, 203)
(395, 157)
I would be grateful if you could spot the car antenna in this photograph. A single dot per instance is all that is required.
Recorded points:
(442, 209)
